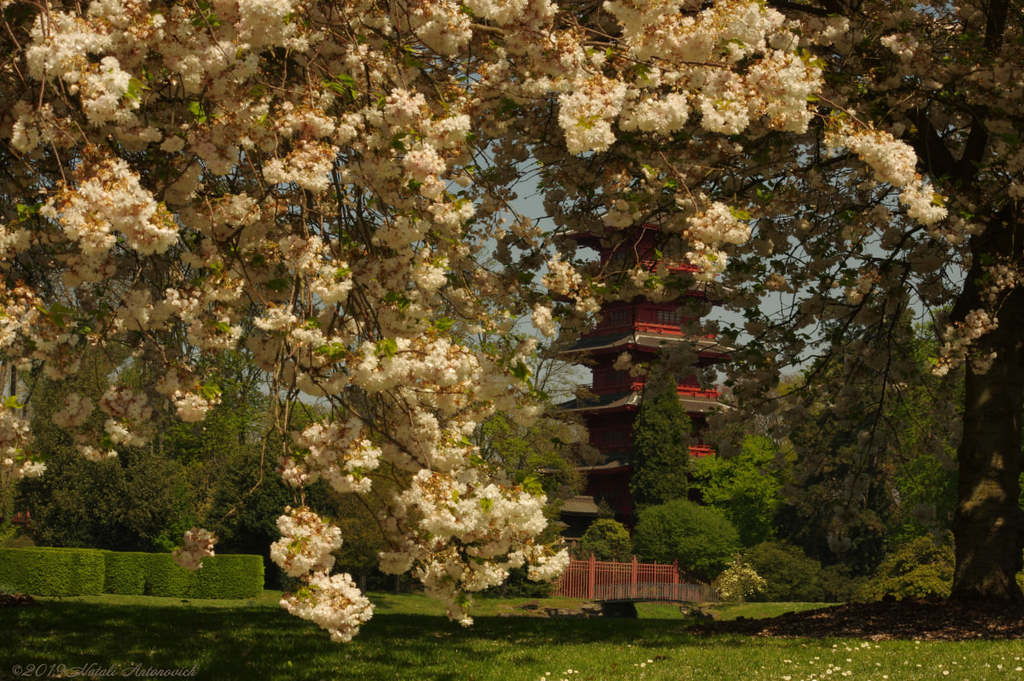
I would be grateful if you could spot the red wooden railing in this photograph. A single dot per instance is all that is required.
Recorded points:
(599, 580)
(702, 450)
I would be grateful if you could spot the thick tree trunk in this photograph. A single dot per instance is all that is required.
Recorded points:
(988, 525)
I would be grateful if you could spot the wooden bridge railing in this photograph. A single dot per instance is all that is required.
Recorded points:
(599, 580)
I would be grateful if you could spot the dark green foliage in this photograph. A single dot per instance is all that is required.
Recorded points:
(125, 572)
(606, 539)
(529, 455)
(702, 539)
(228, 576)
(44, 571)
(78, 572)
(747, 487)
(873, 452)
(790, 573)
(838, 585)
(222, 576)
(921, 568)
(164, 577)
(661, 444)
(139, 501)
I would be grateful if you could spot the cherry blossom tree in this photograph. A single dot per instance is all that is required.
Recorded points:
(851, 261)
(329, 185)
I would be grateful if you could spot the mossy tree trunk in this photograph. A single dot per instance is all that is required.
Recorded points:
(988, 525)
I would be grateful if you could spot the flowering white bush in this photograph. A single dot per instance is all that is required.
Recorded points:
(329, 186)
(738, 582)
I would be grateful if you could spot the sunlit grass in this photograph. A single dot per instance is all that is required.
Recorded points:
(409, 639)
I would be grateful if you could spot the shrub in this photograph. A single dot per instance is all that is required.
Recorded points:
(229, 576)
(606, 539)
(125, 572)
(701, 539)
(164, 577)
(920, 568)
(79, 572)
(52, 571)
(838, 585)
(223, 576)
(738, 582)
(790, 573)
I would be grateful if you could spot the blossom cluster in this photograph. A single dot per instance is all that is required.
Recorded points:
(196, 545)
(329, 188)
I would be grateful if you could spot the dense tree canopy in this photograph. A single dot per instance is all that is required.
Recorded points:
(329, 185)
(661, 448)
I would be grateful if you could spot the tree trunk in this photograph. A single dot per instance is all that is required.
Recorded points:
(988, 525)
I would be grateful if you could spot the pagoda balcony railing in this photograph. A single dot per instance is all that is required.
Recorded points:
(702, 450)
(697, 392)
(643, 318)
(603, 386)
(614, 384)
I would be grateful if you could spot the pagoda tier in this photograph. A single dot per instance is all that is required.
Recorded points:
(643, 329)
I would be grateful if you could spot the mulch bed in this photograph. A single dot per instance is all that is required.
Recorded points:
(16, 599)
(886, 620)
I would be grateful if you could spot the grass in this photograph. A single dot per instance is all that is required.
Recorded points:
(409, 639)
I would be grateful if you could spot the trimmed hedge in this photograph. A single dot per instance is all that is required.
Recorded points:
(125, 572)
(45, 571)
(77, 572)
(228, 576)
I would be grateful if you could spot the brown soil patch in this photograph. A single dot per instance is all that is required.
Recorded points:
(884, 620)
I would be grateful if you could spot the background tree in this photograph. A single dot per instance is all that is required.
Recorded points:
(747, 487)
(605, 539)
(702, 539)
(850, 260)
(661, 447)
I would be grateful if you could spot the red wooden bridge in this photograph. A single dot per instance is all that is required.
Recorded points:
(599, 580)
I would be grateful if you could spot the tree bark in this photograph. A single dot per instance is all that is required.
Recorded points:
(988, 524)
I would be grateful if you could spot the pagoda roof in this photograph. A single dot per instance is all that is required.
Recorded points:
(604, 402)
(614, 466)
(641, 339)
(580, 505)
(631, 400)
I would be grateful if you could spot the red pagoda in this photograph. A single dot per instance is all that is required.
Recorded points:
(642, 328)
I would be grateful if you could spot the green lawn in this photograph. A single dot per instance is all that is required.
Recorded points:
(408, 639)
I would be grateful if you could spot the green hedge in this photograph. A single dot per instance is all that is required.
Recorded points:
(229, 576)
(125, 572)
(75, 572)
(44, 571)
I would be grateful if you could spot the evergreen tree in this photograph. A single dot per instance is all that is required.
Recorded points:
(661, 445)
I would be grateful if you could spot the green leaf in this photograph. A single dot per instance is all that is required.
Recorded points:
(333, 350)
(135, 88)
(279, 284)
(27, 210)
(12, 403)
(198, 111)
(210, 391)
(486, 504)
(521, 371)
(387, 347)
(532, 485)
(443, 323)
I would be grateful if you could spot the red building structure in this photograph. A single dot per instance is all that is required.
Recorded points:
(642, 328)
